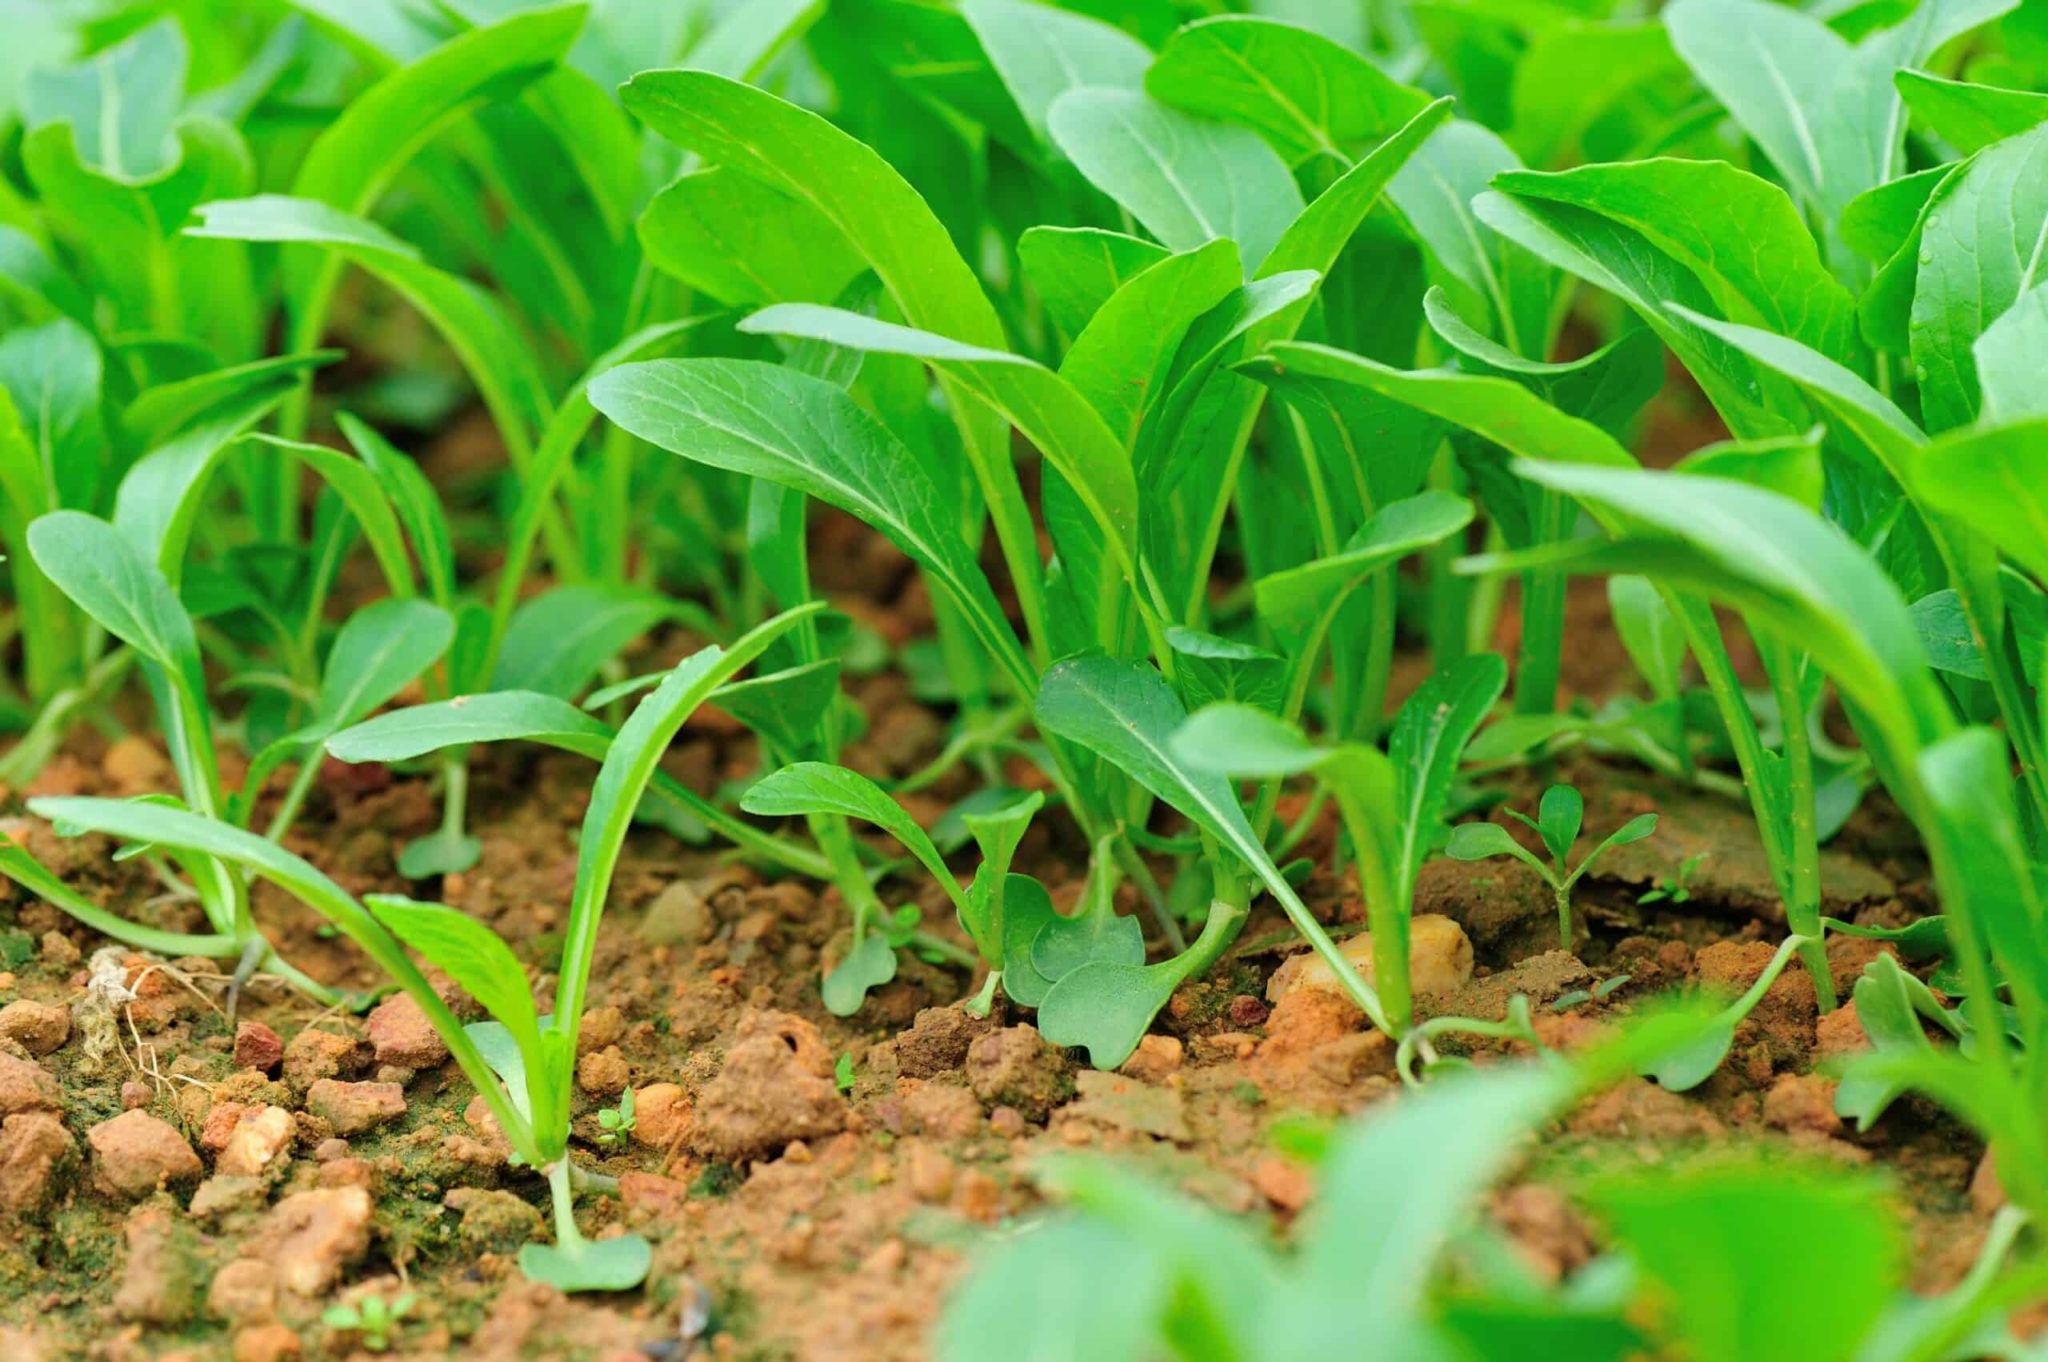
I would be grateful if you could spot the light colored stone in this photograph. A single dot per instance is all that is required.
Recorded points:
(258, 1141)
(352, 1108)
(136, 1153)
(309, 1237)
(39, 1028)
(1439, 961)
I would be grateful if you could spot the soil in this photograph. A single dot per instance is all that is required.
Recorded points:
(174, 1183)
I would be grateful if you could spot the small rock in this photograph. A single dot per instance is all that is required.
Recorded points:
(1017, 1067)
(1839, 1035)
(314, 1055)
(604, 1073)
(26, 1086)
(349, 1173)
(135, 1153)
(401, 1035)
(258, 1141)
(1156, 1059)
(493, 1221)
(1439, 961)
(661, 1115)
(352, 1108)
(219, 1126)
(928, 1172)
(38, 1027)
(1803, 1102)
(1245, 1012)
(268, 1342)
(223, 1195)
(58, 950)
(135, 1095)
(937, 1041)
(244, 1289)
(160, 1279)
(35, 1149)
(1007, 1122)
(258, 1047)
(679, 916)
(776, 1086)
(310, 1237)
(601, 1028)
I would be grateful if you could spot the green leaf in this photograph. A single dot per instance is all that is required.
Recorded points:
(1996, 482)
(741, 44)
(559, 640)
(1042, 51)
(1211, 670)
(99, 569)
(1076, 269)
(1427, 744)
(1649, 631)
(1290, 601)
(1980, 250)
(471, 954)
(121, 103)
(743, 242)
(1306, 94)
(1027, 912)
(1106, 1007)
(380, 649)
(1683, 1227)
(816, 787)
(1113, 1299)
(53, 374)
(867, 966)
(495, 716)
(1969, 117)
(1120, 360)
(997, 834)
(1188, 181)
(808, 434)
(2007, 355)
(1559, 818)
(160, 412)
(1478, 841)
(785, 708)
(619, 1263)
(1893, 1009)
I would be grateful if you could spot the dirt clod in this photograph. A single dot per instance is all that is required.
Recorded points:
(936, 1042)
(310, 1237)
(258, 1047)
(35, 1150)
(38, 1028)
(1017, 1067)
(258, 1141)
(160, 1278)
(400, 1035)
(776, 1086)
(314, 1055)
(352, 1108)
(493, 1221)
(135, 1153)
(26, 1086)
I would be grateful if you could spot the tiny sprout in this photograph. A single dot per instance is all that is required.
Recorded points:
(842, 1073)
(1679, 888)
(1558, 820)
(616, 1122)
(373, 1320)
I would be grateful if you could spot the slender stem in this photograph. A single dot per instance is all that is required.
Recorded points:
(929, 944)
(1543, 598)
(981, 1002)
(1802, 905)
(567, 1236)
(288, 812)
(1563, 891)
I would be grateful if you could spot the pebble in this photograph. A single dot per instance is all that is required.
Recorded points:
(314, 1055)
(26, 1086)
(37, 1027)
(661, 1115)
(34, 1149)
(258, 1047)
(310, 1237)
(401, 1035)
(136, 1153)
(604, 1073)
(1439, 961)
(260, 1138)
(352, 1108)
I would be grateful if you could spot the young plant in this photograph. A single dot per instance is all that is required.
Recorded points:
(521, 1063)
(616, 1123)
(373, 1319)
(1558, 820)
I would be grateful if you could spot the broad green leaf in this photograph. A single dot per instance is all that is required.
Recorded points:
(2008, 357)
(618, 1263)
(379, 651)
(1076, 269)
(1306, 94)
(121, 103)
(1991, 888)
(802, 432)
(1981, 249)
(1478, 841)
(816, 787)
(472, 321)
(1119, 360)
(1105, 1007)
(1573, 78)
(559, 640)
(886, 222)
(468, 952)
(359, 489)
(53, 374)
(1426, 745)
(785, 708)
(741, 44)
(1879, 223)
(744, 243)
(1996, 482)
(997, 835)
(1686, 1226)
(867, 966)
(1028, 911)
(163, 411)
(495, 716)
(1209, 670)
(1113, 1299)
(1293, 600)
(111, 580)
(1188, 181)
(1893, 1008)
(1559, 818)
(1608, 387)
(1042, 51)
(1969, 117)
(1493, 274)
(1318, 236)
(1649, 631)
(1048, 410)
(160, 498)
(1238, 740)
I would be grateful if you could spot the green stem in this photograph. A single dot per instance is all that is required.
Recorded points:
(1539, 661)
(980, 1003)
(567, 1236)
(1802, 903)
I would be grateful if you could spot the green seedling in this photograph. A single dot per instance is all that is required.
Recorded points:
(373, 1319)
(521, 1063)
(1558, 820)
(1677, 889)
(616, 1123)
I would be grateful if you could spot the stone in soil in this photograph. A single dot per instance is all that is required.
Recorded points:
(309, 1237)
(1439, 961)
(135, 1153)
(661, 1115)
(37, 1027)
(258, 1141)
(314, 1055)
(776, 1086)
(493, 1221)
(35, 1151)
(26, 1086)
(352, 1108)
(160, 1277)
(1017, 1067)
(244, 1289)
(400, 1034)
(258, 1047)
(936, 1042)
